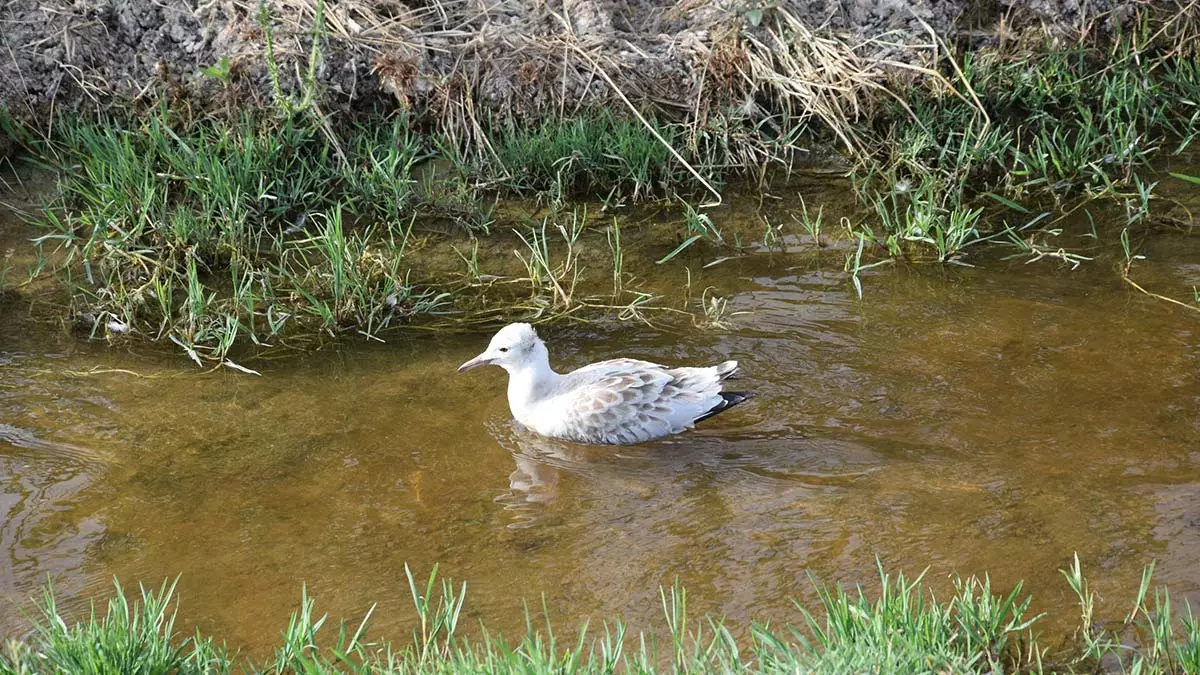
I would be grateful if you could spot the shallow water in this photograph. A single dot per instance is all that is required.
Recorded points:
(997, 418)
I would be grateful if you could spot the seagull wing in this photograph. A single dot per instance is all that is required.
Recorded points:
(626, 401)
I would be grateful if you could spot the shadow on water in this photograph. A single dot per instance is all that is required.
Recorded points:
(998, 418)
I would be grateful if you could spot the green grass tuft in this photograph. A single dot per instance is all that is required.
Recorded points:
(898, 627)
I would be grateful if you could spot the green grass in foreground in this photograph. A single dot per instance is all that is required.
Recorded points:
(898, 628)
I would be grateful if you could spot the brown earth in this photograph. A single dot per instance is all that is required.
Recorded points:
(453, 61)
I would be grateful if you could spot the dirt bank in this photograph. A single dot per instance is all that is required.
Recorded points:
(455, 61)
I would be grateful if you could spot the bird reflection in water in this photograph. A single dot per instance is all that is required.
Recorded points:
(534, 483)
(537, 481)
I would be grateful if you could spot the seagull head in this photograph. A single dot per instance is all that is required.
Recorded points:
(514, 346)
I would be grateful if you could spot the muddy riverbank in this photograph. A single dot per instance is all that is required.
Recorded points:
(488, 58)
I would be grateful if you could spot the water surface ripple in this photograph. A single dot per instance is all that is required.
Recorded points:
(968, 420)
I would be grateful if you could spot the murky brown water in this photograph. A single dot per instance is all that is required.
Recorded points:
(996, 418)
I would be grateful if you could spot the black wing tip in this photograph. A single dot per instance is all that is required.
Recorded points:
(728, 400)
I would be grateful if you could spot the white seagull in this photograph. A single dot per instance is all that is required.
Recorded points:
(617, 402)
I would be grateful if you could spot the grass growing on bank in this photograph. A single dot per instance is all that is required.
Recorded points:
(282, 224)
(212, 233)
(197, 234)
(1036, 140)
(899, 627)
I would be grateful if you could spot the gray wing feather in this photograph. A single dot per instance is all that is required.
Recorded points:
(628, 401)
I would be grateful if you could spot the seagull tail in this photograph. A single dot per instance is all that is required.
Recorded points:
(728, 400)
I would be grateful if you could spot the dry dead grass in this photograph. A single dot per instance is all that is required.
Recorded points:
(460, 66)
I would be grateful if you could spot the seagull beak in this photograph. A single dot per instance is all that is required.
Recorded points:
(475, 363)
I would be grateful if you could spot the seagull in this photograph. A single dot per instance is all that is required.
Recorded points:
(616, 402)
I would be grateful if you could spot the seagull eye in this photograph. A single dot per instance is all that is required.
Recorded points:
(504, 349)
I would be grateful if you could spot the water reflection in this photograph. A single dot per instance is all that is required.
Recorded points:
(534, 482)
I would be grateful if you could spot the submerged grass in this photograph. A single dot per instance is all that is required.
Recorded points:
(898, 627)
